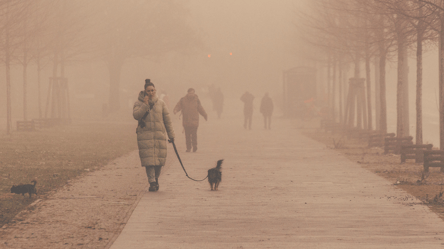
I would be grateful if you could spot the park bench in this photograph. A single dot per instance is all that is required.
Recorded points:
(393, 144)
(414, 152)
(41, 123)
(433, 158)
(365, 134)
(377, 139)
(25, 126)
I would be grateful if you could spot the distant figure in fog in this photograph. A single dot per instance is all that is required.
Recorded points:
(154, 120)
(266, 109)
(247, 98)
(191, 108)
(218, 102)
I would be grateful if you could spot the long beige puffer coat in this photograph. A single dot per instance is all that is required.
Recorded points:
(152, 138)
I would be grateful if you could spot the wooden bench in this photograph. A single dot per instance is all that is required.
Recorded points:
(393, 144)
(377, 139)
(25, 126)
(433, 158)
(414, 152)
(364, 134)
(50, 122)
(41, 123)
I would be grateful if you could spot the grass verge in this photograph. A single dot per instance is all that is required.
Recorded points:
(54, 156)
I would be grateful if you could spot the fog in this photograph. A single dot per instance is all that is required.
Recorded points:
(235, 45)
(257, 34)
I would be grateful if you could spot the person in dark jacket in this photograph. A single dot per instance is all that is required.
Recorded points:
(154, 127)
(266, 109)
(191, 108)
(247, 98)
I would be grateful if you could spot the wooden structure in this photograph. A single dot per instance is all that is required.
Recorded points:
(433, 158)
(378, 139)
(414, 152)
(366, 134)
(355, 106)
(299, 87)
(57, 101)
(393, 144)
(44, 123)
(25, 126)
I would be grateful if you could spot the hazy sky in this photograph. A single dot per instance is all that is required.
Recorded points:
(257, 33)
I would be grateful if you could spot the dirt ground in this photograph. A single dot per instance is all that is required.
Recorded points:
(409, 176)
(88, 212)
(79, 172)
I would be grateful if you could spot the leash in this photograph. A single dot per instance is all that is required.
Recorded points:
(181, 164)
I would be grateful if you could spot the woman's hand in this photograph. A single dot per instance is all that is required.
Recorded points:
(145, 100)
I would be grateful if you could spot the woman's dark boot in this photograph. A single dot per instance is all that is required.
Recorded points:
(153, 187)
(157, 184)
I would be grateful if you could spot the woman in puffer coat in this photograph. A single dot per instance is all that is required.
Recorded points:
(154, 125)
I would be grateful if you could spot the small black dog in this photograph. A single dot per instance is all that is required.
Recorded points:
(25, 188)
(215, 175)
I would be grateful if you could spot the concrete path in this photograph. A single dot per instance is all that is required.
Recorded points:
(279, 190)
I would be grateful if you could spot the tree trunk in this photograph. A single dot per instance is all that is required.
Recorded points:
(377, 94)
(441, 85)
(25, 67)
(356, 101)
(382, 92)
(8, 75)
(50, 96)
(8, 86)
(329, 85)
(115, 69)
(369, 90)
(39, 92)
(25, 88)
(357, 72)
(400, 89)
(340, 83)
(419, 39)
(333, 91)
(405, 97)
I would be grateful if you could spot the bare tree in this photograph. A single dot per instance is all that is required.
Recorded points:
(11, 14)
(435, 8)
(141, 29)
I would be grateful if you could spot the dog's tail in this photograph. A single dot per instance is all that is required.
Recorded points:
(219, 164)
(34, 181)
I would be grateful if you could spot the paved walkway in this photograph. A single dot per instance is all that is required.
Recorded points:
(279, 190)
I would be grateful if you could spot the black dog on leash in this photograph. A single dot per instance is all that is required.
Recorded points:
(215, 175)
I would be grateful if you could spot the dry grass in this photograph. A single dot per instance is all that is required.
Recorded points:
(409, 176)
(54, 156)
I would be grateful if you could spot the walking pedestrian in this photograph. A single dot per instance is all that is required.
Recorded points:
(154, 124)
(247, 98)
(190, 107)
(267, 109)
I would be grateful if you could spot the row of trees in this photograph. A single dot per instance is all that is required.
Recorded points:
(362, 33)
(61, 33)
